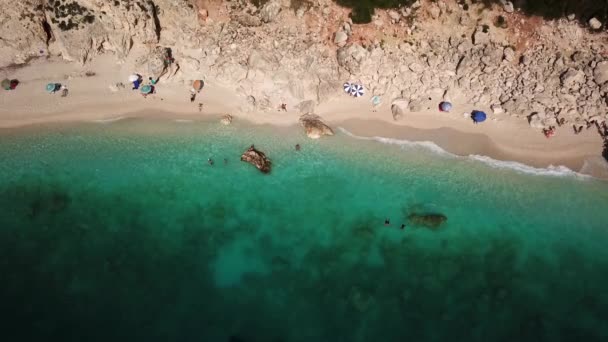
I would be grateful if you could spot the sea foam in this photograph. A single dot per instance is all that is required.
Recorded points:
(555, 171)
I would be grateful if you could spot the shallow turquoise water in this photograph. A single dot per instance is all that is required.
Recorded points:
(123, 232)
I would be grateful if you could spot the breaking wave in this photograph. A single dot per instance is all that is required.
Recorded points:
(555, 171)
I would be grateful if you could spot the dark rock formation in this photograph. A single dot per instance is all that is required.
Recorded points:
(432, 221)
(257, 159)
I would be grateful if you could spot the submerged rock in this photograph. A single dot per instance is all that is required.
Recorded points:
(432, 221)
(315, 128)
(257, 159)
(226, 119)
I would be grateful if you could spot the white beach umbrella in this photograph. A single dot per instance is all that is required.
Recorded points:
(357, 90)
(134, 77)
(348, 87)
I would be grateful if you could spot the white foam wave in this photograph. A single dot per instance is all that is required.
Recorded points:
(428, 145)
(555, 171)
(558, 171)
(109, 120)
(183, 121)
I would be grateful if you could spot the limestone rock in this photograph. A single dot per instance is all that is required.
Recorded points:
(21, 31)
(306, 107)
(508, 7)
(595, 24)
(314, 127)
(434, 11)
(399, 108)
(270, 11)
(536, 121)
(415, 106)
(497, 109)
(340, 38)
(226, 119)
(571, 77)
(509, 54)
(257, 159)
(432, 221)
(481, 36)
(247, 20)
(600, 73)
(394, 15)
(350, 57)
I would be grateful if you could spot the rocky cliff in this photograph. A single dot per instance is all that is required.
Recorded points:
(290, 51)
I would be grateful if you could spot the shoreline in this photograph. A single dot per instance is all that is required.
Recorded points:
(501, 137)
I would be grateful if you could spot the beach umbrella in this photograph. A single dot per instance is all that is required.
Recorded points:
(445, 106)
(134, 77)
(357, 90)
(376, 100)
(14, 84)
(6, 84)
(51, 87)
(146, 89)
(348, 87)
(197, 85)
(478, 116)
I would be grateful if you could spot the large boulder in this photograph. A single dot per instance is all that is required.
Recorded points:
(226, 119)
(572, 77)
(306, 107)
(350, 57)
(270, 11)
(314, 127)
(247, 20)
(600, 73)
(257, 159)
(399, 107)
(432, 221)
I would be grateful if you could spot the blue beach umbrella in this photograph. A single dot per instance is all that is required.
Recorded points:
(347, 87)
(146, 89)
(478, 116)
(445, 106)
(376, 100)
(51, 87)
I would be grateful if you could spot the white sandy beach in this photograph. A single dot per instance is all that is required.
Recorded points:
(501, 137)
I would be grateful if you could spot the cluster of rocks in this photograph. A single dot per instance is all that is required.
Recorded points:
(300, 52)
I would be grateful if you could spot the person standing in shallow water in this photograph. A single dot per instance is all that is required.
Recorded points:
(297, 147)
(387, 222)
(402, 226)
(210, 161)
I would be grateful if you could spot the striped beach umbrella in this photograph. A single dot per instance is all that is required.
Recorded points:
(147, 89)
(347, 87)
(357, 90)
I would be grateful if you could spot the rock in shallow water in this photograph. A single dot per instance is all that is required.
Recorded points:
(315, 128)
(432, 221)
(257, 159)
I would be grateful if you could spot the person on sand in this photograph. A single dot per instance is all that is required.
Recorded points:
(64, 91)
(210, 161)
(297, 147)
(387, 222)
(152, 81)
(192, 97)
(200, 107)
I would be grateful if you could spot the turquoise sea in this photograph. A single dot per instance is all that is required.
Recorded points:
(123, 232)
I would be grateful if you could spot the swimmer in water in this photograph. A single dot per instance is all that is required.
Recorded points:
(402, 226)
(387, 222)
(225, 161)
(210, 161)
